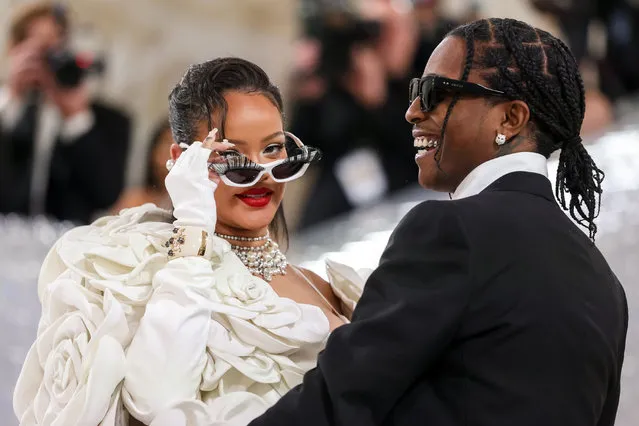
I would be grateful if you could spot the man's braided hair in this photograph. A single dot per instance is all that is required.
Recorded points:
(533, 66)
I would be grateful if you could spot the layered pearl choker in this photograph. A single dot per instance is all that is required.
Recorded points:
(247, 239)
(265, 260)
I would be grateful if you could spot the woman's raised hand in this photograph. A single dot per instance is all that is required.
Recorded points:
(190, 187)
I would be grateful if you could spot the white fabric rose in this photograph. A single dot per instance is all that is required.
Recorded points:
(185, 413)
(244, 288)
(119, 253)
(346, 283)
(74, 367)
(233, 409)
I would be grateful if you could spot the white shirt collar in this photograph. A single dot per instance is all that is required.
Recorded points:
(10, 109)
(486, 173)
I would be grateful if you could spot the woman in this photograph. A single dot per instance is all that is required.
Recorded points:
(153, 190)
(492, 308)
(195, 318)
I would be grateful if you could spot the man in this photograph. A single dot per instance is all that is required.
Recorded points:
(492, 309)
(60, 154)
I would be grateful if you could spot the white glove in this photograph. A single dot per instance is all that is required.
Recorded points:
(189, 186)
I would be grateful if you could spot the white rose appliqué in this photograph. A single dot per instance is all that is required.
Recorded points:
(73, 369)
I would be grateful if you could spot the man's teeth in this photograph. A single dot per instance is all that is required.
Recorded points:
(422, 143)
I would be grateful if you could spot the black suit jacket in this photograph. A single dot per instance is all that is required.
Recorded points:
(493, 310)
(85, 176)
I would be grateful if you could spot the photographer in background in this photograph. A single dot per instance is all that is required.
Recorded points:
(61, 154)
(356, 118)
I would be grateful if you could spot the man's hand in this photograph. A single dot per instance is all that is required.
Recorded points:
(27, 68)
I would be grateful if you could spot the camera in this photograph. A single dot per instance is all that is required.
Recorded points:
(70, 68)
(338, 34)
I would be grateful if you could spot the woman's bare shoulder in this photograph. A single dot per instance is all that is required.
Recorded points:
(321, 284)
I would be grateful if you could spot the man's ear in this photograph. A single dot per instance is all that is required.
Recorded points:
(516, 116)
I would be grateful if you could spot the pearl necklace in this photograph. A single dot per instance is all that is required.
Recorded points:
(265, 260)
(236, 238)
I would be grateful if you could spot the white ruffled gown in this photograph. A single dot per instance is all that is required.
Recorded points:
(190, 341)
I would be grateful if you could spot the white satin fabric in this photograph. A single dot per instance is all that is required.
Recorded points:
(191, 190)
(187, 342)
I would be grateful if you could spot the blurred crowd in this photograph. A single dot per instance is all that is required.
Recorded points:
(350, 95)
(64, 154)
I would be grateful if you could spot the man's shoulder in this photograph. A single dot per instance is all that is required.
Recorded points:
(452, 219)
(440, 207)
(448, 211)
(429, 210)
(431, 220)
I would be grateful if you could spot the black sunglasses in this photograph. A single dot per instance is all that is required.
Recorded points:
(433, 89)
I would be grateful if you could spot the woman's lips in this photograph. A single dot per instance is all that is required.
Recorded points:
(256, 197)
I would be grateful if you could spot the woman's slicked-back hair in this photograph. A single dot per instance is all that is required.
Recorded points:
(201, 92)
(533, 66)
(199, 96)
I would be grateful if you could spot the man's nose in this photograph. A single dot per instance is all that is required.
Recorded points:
(414, 112)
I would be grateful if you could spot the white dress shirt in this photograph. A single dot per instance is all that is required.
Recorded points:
(487, 173)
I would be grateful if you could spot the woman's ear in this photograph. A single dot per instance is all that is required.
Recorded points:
(175, 151)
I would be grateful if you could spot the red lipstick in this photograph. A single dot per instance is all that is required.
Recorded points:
(256, 197)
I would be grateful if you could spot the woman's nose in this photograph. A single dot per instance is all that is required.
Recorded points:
(266, 177)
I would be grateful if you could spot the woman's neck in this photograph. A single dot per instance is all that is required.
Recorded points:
(240, 236)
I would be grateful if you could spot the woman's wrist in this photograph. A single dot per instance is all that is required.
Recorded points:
(188, 241)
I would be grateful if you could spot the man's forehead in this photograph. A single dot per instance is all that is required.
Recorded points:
(45, 27)
(447, 59)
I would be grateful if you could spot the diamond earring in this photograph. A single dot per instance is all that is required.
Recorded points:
(500, 139)
(169, 164)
